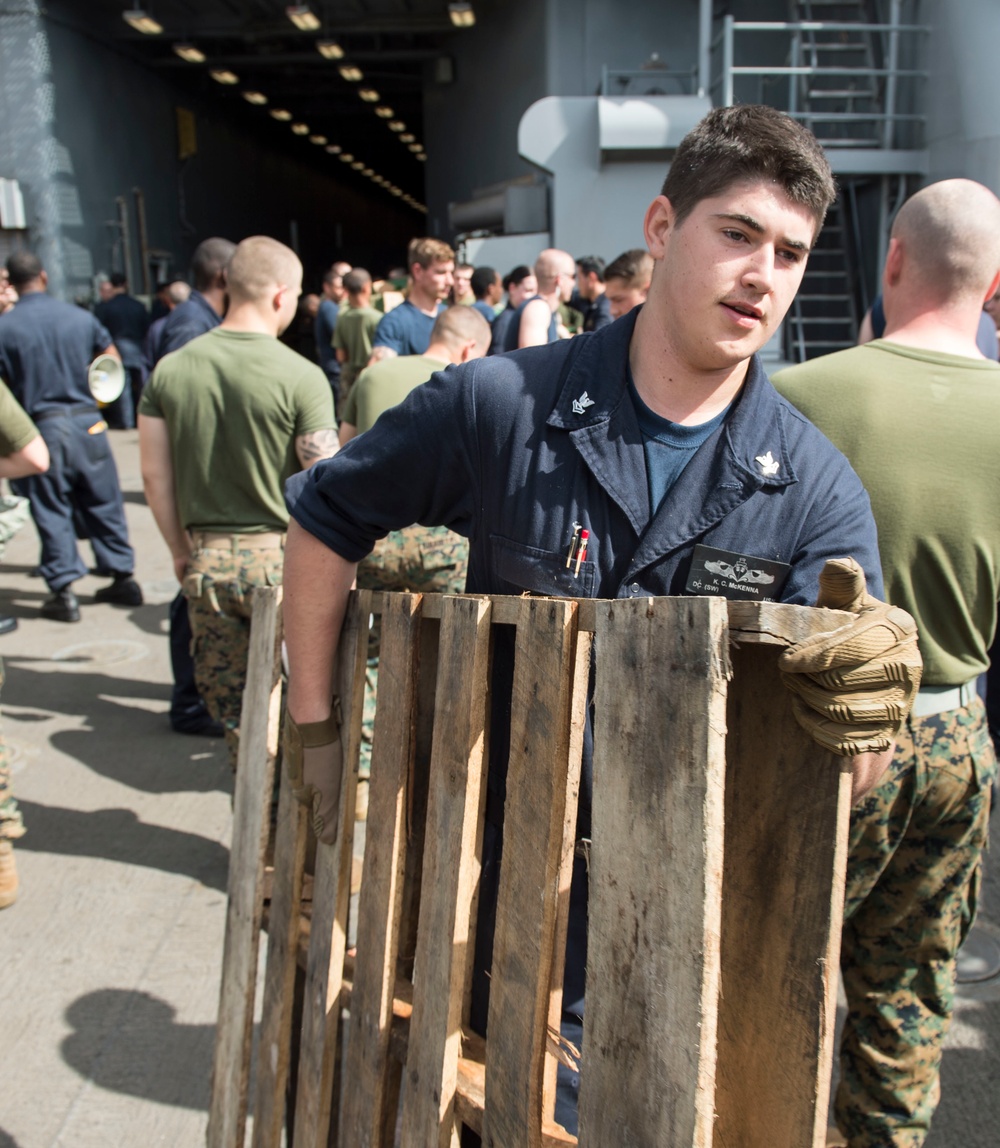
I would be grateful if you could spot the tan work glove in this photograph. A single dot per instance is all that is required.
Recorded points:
(854, 686)
(314, 764)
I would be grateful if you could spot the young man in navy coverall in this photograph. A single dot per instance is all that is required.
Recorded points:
(659, 434)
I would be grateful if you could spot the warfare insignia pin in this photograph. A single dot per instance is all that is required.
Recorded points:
(768, 464)
(581, 404)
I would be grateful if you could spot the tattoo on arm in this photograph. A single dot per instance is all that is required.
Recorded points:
(312, 447)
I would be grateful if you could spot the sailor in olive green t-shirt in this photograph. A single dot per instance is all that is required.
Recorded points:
(22, 452)
(223, 423)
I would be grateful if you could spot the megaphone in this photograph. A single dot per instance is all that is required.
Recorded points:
(106, 379)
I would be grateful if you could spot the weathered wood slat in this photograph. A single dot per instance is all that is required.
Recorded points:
(331, 893)
(450, 873)
(534, 827)
(275, 1038)
(655, 873)
(770, 623)
(368, 1101)
(251, 807)
(578, 721)
(787, 806)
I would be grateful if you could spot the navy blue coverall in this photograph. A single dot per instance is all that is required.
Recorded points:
(46, 347)
(512, 450)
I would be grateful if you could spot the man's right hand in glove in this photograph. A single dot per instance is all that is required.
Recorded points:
(314, 762)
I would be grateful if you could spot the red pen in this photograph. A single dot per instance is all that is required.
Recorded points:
(581, 553)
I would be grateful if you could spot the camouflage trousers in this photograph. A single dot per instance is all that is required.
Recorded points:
(913, 874)
(11, 825)
(420, 559)
(218, 587)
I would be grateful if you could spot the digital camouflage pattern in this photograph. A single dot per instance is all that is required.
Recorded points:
(218, 586)
(11, 825)
(913, 875)
(420, 559)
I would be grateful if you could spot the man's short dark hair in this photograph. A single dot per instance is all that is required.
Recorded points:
(356, 280)
(117, 279)
(482, 280)
(634, 267)
(23, 267)
(518, 275)
(591, 263)
(211, 257)
(749, 142)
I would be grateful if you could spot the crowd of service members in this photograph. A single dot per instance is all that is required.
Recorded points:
(557, 296)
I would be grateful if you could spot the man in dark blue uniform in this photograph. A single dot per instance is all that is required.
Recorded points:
(660, 434)
(200, 313)
(46, 347)
(590, 298)
(207, 302)
(128, 321)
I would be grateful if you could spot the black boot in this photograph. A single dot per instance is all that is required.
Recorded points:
(61, 606)
(123, 590)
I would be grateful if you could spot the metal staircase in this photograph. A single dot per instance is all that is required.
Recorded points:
(841, 99)
(847, 70)
(823, 317)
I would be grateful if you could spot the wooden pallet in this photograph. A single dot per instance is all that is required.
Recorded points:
(716, 866)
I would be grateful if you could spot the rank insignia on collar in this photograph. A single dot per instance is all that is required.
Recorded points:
(768, 464)
(581, 404)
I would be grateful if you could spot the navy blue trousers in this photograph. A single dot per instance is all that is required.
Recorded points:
(80, 486)
(186, 706)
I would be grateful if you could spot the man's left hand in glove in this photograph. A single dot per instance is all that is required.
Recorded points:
(854, 686)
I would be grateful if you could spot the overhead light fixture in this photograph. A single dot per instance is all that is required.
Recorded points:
(422, 156)
(358, 165)
(384, 112)
(256, 98)
(367, 171)
(319, 141)
(351, 74)
(369, 95)
(224, 76)
(330, 49)
(461, 13)
(303, 17)
(141, 21)
(190, 53)
(396, 190)
(282, 114)
(334, 149)
(346, 157)
(409, 137)
(397, 126)
(300, 129)
(416, 147)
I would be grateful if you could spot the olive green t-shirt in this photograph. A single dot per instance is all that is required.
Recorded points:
(354, 332)
(384, 385)
(234, 403)
(16, 429)
(919, 428)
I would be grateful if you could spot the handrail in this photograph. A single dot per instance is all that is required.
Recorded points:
(878, 120)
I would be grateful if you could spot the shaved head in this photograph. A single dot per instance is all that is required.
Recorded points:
(260, 264)
(950, 232)
(550, 264)
(458, 325)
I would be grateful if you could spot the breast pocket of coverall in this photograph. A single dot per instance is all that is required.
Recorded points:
(542, 572)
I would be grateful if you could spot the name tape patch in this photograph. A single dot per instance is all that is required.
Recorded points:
(733, 575)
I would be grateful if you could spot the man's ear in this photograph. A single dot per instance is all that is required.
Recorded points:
(44, 277)
(278, 299)
(994, 284)
(894, 261)
(468, 351)
(657, 225)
